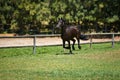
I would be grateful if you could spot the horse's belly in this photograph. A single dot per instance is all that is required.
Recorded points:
(67, 37)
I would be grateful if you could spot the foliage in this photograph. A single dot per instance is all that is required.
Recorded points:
(24, 15)
(52, 63)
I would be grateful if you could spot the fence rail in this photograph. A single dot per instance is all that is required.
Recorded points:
(31, 36)
(58, 35)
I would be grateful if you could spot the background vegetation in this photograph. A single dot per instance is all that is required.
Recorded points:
(39, 16)
(101, 62)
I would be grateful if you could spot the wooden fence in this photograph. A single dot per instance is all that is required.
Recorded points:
(104, 34)
(58, 35)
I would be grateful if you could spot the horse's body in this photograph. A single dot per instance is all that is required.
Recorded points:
(69, 33)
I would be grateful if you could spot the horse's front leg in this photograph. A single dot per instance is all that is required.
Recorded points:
(63, 44)
(79, 43)
(69, 46)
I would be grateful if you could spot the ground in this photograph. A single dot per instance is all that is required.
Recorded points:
(101, 62)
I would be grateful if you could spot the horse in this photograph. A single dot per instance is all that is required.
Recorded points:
(69, 33)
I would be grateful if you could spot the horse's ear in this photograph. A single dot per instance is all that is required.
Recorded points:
(59, 18)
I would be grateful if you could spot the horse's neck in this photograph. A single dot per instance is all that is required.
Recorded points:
(63, 30)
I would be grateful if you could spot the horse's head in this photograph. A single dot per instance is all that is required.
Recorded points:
(61, 22)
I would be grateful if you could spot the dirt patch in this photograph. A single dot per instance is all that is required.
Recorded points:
(14, 42)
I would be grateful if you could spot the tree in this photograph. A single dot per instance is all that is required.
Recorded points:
(22, 15)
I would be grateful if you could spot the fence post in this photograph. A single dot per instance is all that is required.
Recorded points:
(90, 40)
(34, 44)
(113, 40)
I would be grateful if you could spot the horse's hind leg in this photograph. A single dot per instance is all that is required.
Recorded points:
(73, 44)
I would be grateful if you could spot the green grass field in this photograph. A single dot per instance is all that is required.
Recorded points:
(101, 62)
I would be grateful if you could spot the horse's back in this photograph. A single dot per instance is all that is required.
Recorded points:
(72, 30)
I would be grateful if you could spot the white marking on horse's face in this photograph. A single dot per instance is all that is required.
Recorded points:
(59, 24)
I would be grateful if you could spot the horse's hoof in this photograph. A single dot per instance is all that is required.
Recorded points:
(71, 52)
(79, 47)
(73, 48)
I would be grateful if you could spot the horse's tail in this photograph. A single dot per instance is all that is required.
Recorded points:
(83, 37)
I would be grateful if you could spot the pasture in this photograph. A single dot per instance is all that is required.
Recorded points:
(101, 62)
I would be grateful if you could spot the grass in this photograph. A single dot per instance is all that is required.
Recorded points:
(101, 62)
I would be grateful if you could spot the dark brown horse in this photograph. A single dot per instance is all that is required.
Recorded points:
(69, 32)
